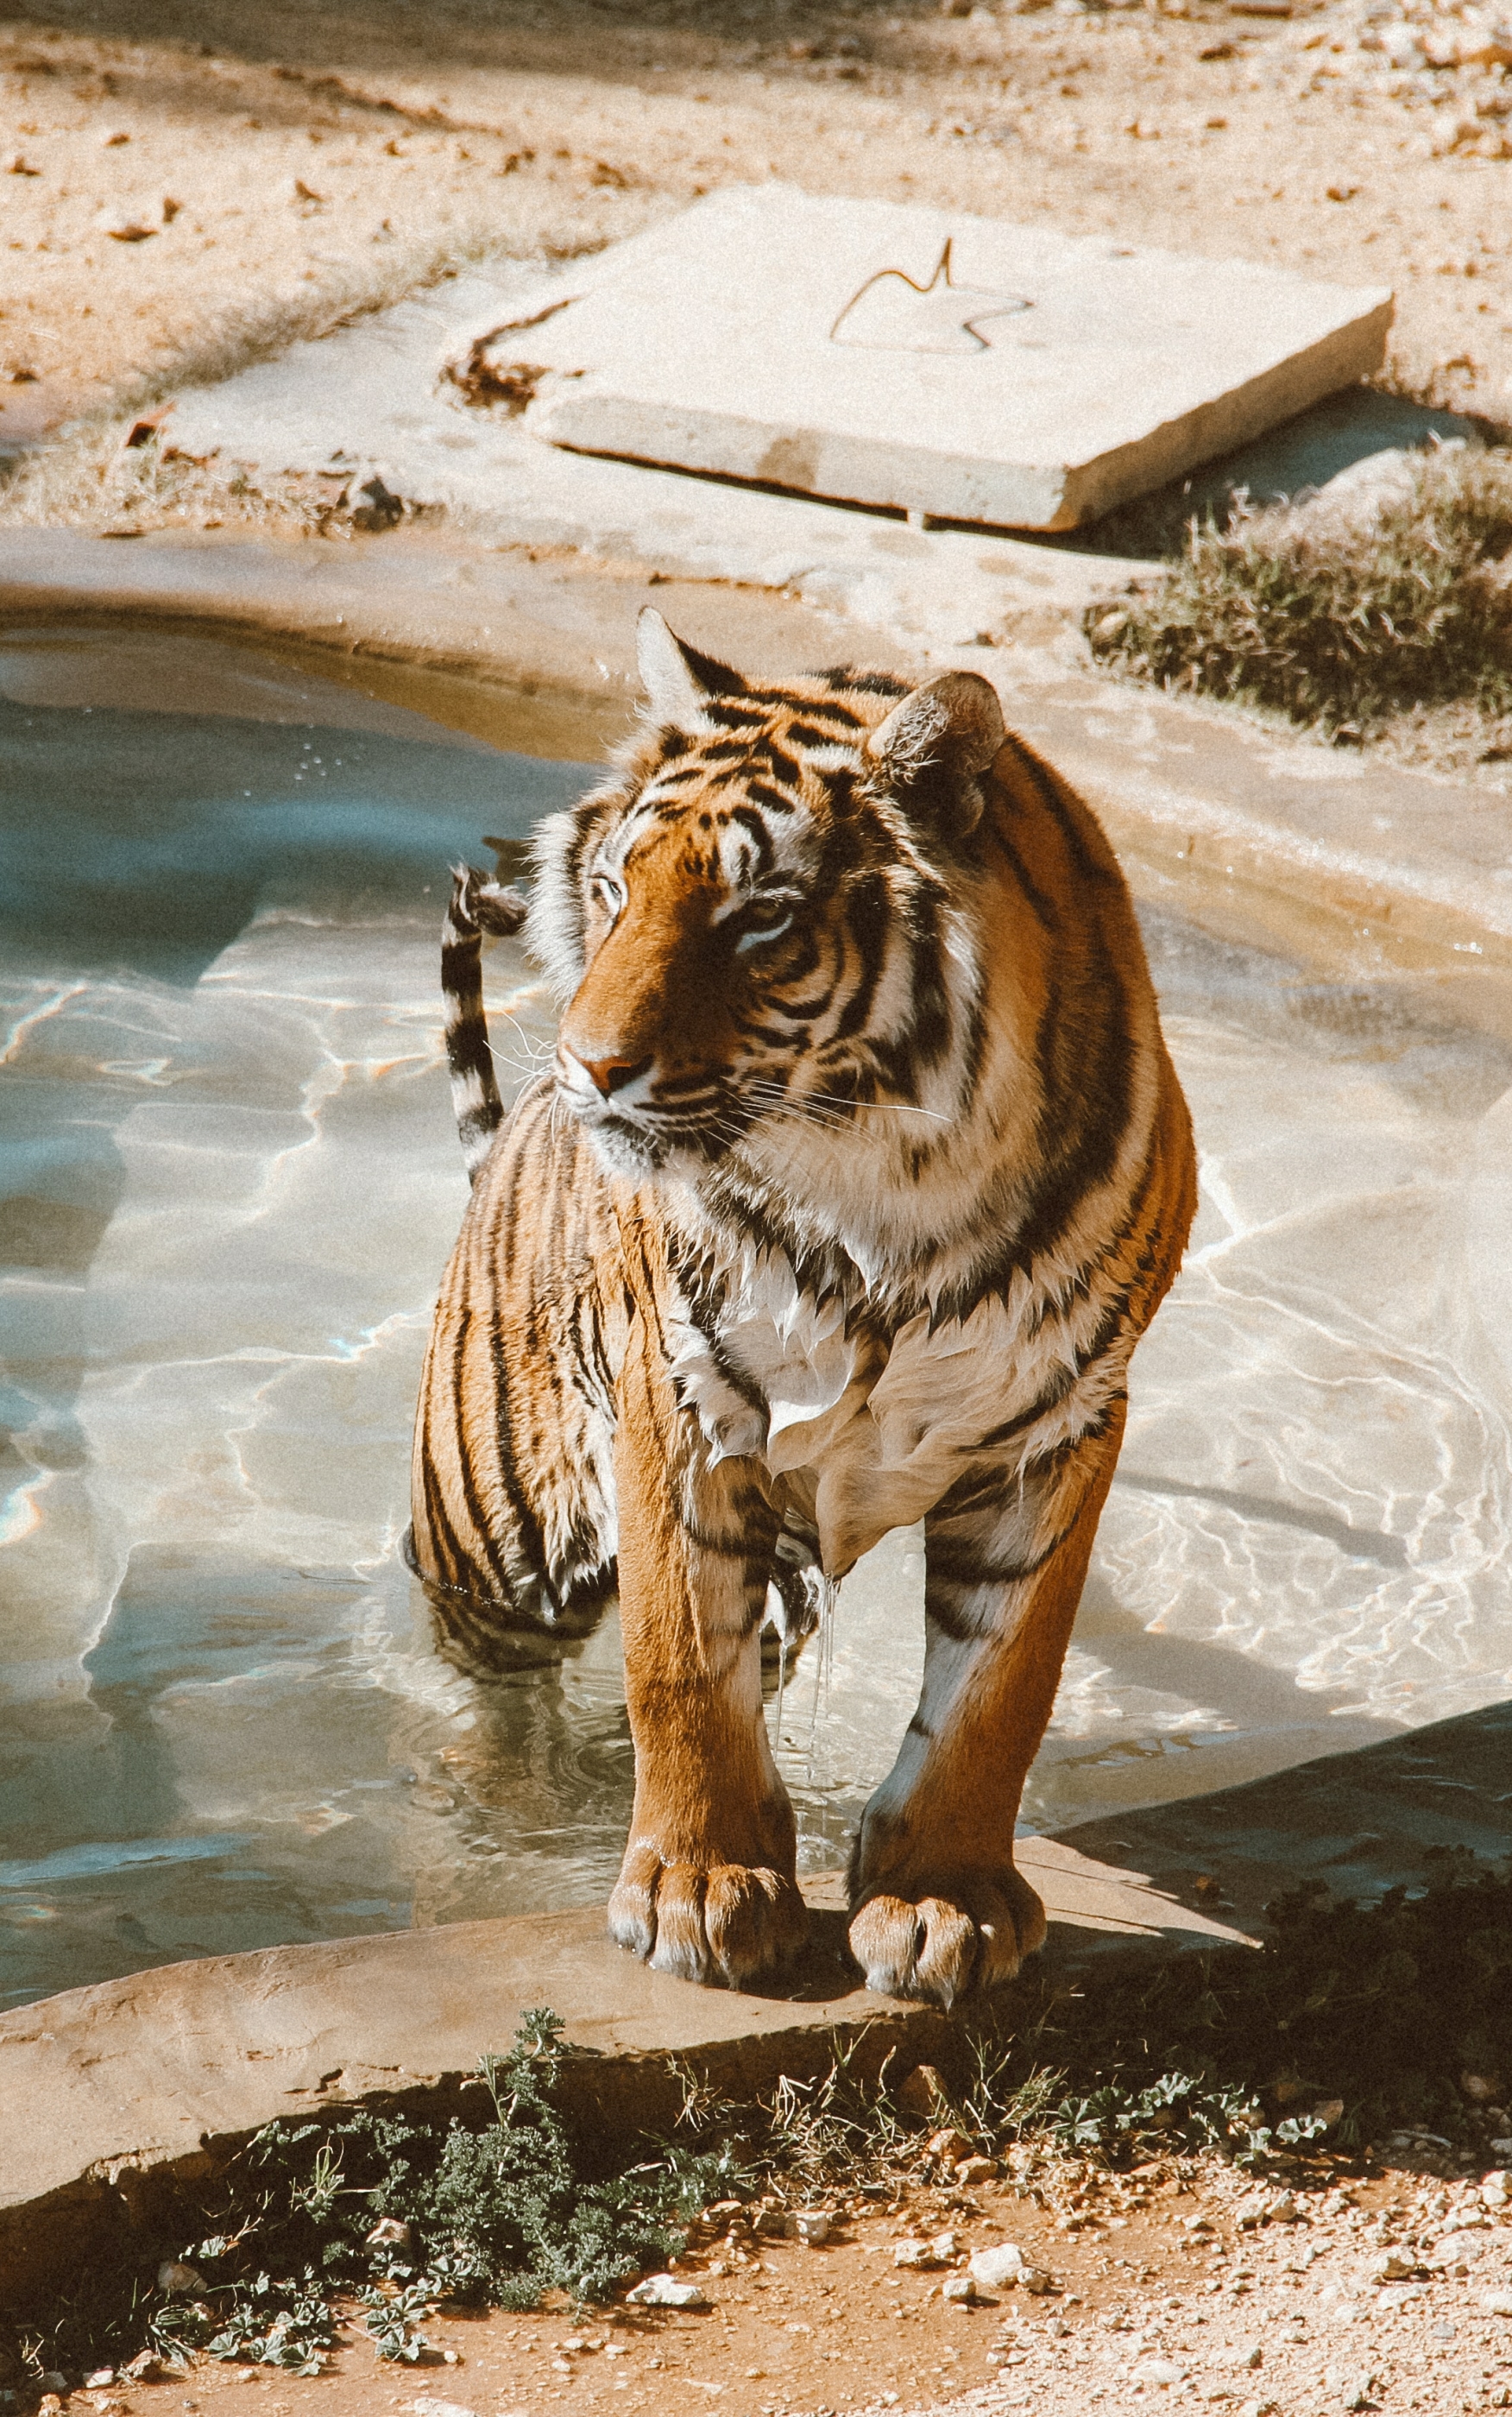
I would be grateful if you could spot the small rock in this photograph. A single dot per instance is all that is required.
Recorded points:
(177, 2279)
(1248, 2356)
(1496, 2304)
(428, 2405)
(995, 2269)
(666, 2292)
(950, 2147)
(1157, 2371)
(923, 2092)
(49, 2405)
(976, 2169)
(145, 2368)
(1036, 2279)
(912, 2253)
(100, 2381)
(944, 2247)
(1480, 2087)
(389, 2233)
(959, 2288)
(1284, 2210)
(1261, 2408)
(810, 2226)
(1496, 2189)
(1390, 2268)
(1198, 2226)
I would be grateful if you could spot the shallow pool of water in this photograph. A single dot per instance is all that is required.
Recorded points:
(229, 1180)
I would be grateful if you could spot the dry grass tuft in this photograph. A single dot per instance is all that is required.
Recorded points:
(1339, 614)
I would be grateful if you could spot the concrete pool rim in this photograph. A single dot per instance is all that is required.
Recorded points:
(1359, 870)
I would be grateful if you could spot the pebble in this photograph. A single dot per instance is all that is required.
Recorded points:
(428, 2405)
(811, 2226)
(1390, 2268)
(1496, 2304)
(666, 2292)
(1037, 2280)
(1158, 2370)
(945, 2246)
(177, 2279)
(995, 2269)
(976, 2169)
(959, 2288)
(912, 2253)
(951, 2147)
(923, 2092)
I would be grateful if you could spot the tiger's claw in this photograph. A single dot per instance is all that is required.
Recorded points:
(942, 1947)
(723, 1926)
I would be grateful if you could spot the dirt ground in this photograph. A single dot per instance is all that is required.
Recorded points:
(1385, 2288)
(177, 175)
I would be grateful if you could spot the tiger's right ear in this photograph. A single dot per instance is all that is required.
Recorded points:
(679, 680)
(938, 741)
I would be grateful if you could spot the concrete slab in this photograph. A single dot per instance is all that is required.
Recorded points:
(1131, 368)
(108, 2093)
(958, 367)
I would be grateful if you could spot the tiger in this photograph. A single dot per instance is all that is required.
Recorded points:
(858, 1172)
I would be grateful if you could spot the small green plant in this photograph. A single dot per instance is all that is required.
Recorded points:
(1336, 617)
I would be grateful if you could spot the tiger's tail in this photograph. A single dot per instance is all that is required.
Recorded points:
(477, 905)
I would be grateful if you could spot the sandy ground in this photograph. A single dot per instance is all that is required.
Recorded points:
(174, 173)
(1174, 2286)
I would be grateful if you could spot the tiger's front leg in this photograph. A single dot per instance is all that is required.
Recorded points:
(708, 1887)
(939, 1906)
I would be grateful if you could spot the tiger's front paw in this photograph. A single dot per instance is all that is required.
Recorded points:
(728, 1923)
(941, 1945)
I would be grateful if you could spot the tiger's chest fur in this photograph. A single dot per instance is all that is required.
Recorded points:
(865, 1420)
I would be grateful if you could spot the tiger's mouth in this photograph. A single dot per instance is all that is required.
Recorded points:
(641, 1134)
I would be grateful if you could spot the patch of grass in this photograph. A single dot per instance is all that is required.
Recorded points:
(1334, 614)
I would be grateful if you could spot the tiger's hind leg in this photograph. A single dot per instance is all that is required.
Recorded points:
(512, 1492)
(940, 1908)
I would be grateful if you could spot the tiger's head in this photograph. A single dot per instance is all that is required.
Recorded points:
(755, 926)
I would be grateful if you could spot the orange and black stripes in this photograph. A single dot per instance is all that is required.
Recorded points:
(860, 1173)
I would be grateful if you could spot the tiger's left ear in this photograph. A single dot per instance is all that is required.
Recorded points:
(938, 742)
(679, 680)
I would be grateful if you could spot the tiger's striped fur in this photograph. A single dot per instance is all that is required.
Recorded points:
(860, 1172)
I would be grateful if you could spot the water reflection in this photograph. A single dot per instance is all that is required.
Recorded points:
(229, 1182)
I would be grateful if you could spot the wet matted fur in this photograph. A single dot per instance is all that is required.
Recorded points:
(860, 1171)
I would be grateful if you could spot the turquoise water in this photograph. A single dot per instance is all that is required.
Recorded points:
(228, 1184)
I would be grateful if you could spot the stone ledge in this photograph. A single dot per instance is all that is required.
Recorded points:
(110, 2094)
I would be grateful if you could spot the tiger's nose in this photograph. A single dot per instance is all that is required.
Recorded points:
(611, 1075)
